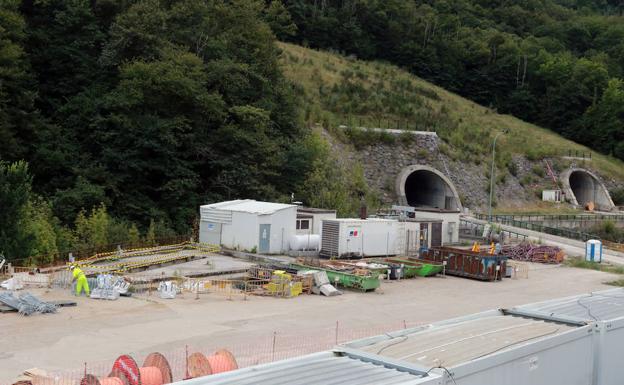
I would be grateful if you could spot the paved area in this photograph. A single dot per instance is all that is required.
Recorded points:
(98, 331)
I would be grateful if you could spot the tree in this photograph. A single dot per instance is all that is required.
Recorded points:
(15, 193)
(18, 118)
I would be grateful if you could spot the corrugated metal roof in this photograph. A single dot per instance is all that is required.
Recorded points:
(598, 306)
(325, 368)
(248, 206)
(456, 343)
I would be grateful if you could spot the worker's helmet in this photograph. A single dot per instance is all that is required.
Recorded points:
(71, 267)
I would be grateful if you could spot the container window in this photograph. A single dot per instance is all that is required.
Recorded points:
(303, 224)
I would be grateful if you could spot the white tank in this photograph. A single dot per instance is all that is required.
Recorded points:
(305, 242)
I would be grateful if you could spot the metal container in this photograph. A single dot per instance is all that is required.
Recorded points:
(604, 311)
(327, 368)
(470, 264)
(360, 282)
(492, 348)
(345, 237)
(413, 267)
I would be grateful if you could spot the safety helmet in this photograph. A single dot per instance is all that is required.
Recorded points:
(71, 267)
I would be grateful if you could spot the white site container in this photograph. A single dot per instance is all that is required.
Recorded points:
(492, 348)
(372, 237)
(593, 250)
(604, 312)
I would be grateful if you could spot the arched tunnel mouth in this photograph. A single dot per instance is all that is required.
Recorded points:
(426, 189)
(587, 189)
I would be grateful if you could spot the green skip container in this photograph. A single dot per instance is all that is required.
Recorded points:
(352, 281)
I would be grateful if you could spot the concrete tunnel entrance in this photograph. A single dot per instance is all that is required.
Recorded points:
(426, 187)
(582, 187)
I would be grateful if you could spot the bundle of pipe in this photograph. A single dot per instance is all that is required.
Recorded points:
(199, 365)
(125, 371)
(534, 253)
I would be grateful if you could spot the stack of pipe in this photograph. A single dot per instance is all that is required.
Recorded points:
(528, 252)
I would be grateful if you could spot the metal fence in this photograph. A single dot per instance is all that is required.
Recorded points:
(258, 349)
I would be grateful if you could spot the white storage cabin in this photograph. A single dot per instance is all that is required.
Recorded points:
(249, 225)
(445, 232)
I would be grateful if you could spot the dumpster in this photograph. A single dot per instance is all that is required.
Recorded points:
(360, 282)
(470, 264)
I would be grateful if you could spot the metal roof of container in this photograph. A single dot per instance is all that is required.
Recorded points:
(459, 341)
(597, 306)
(327, 368)
(248, 206)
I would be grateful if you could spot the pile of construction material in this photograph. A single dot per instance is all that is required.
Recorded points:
(322, 286)
(528, 252)
(27, 304)
(109, 287)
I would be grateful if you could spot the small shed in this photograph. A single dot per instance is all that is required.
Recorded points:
(249, 225)
(445, 229)
(309, 219)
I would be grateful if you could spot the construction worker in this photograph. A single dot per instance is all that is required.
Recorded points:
(81, 280)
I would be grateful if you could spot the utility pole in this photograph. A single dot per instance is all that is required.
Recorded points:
(492, 172)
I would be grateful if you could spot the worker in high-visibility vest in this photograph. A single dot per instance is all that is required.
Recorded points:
(81, 280)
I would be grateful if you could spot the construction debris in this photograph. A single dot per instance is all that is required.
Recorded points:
(109, 287)
(27, 304)
(12, 284)
(528, 252)
(168, 290)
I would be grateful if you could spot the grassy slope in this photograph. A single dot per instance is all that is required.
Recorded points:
(340, 90)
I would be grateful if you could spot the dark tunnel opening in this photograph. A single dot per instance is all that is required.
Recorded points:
(424, 188)
(583, 187)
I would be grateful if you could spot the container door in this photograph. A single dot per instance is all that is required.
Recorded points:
(210, 233)
(436, 234)
(264, 244)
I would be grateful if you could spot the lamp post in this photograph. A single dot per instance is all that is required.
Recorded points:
(492, 173)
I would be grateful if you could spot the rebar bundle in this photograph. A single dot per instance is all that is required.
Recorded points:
(27, 304)
(528, 252)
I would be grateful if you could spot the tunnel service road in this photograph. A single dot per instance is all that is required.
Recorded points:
(105, 329)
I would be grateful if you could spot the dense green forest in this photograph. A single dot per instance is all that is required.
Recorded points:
(132, 113)
(119, 117)
(556, 63)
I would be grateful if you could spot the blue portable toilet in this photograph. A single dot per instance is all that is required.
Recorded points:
(593, 251)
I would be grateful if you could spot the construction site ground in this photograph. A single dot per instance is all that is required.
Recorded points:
(98, 330)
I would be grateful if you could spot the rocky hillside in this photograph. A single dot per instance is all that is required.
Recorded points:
(342, 95)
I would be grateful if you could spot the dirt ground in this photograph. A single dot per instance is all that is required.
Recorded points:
(99, 331)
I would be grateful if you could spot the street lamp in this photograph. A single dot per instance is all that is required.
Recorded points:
(505, 131)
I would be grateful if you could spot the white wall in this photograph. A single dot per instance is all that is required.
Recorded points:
(316, 226)
(447, 220)
(283, 225)
(242, 233)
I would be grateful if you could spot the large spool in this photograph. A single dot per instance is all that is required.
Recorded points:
(125, 371)
(222, 361)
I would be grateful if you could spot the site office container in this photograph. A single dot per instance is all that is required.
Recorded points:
(604, 311)
(372, 237)
(492, 348)
(466, 263)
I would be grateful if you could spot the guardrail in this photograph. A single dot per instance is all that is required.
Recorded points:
(476, 230)
(536, 217)
(566, 233)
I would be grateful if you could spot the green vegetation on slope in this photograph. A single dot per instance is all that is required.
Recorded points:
(555, 63)
(339, 90)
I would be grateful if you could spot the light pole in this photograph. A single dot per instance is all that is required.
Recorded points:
(492, 173)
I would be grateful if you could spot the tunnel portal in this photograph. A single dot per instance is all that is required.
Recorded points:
(583, 187)
(425, 187)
